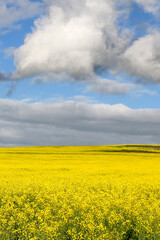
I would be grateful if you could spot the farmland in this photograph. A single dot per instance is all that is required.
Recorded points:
(98, 192)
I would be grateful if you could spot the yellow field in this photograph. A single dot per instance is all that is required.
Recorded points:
(105, 192)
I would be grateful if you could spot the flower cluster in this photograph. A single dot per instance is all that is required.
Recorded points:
(79, 193)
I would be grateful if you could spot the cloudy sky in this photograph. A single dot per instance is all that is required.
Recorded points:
(79, 72)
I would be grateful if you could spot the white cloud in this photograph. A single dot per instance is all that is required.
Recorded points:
(140, 92)
(152, 6)
(75, 123)
(107, 86)
(12, 11)
(75, 38)
(78, 37)
(142, 59)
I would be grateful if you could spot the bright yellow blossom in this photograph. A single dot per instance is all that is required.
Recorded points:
(80, 193)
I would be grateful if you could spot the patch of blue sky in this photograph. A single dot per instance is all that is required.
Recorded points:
(41, 91)
(140, 21)
(13, 39)
(16, 37)
(148, 97)
(138, 98)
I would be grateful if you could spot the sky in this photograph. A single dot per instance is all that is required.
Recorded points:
(79, 72)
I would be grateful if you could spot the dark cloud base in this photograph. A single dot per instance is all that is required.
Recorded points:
(75, 123)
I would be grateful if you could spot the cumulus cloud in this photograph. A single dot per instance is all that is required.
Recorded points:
(142, 58)
(151, 6)
(75, 37)
(75, 123)
(12, 11)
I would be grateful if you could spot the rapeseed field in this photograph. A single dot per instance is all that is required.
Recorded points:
(99, 192)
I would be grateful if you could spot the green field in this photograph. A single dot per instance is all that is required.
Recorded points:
(99, 192)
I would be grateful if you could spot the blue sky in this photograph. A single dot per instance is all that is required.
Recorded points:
(80, 53)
